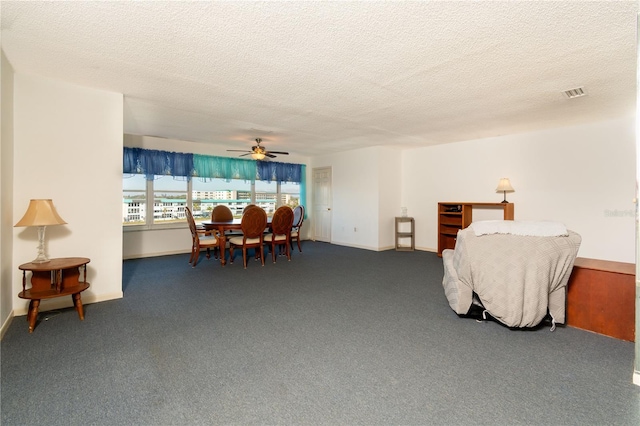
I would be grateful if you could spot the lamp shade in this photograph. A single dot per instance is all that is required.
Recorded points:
(504, 186)
(257, 156)
(41, 213)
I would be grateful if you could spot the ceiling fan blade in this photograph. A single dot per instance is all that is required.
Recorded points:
(239, 150)
(270, 155)
(244, 155)
(278, 152)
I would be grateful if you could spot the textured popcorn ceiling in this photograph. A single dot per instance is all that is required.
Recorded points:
(320, 77)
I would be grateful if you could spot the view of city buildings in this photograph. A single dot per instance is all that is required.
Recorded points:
(172, 209)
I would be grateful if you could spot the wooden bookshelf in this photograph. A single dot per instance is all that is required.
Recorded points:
(454, 216)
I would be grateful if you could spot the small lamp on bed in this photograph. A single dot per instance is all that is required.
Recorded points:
(504, 186)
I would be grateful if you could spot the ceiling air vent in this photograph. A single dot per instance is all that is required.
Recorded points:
(574, 93)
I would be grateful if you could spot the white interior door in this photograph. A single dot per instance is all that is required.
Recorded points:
(322, 204)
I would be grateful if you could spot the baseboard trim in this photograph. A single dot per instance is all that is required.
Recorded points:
(432, 250)
(340, 243)
(171, 253)
(145, 255)
(67, 302)
(6, 324)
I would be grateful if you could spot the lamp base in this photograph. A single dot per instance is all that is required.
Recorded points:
(41, 258)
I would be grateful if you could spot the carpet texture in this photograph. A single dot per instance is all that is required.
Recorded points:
(336, 336)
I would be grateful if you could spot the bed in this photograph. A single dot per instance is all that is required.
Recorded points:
(516, 271)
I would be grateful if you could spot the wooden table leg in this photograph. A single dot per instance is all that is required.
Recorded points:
(223, 245)
(33, 314)
(77, 302)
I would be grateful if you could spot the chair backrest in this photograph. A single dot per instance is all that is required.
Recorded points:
(192, 223)
(221, 213)
(298, 216)
(282, 220)
(248, 207)
(254, 222)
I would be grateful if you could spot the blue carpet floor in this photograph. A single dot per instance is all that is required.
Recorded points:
(337, 336)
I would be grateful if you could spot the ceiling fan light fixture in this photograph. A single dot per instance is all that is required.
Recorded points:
(259, 152)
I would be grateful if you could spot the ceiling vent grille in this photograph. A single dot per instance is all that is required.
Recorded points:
(574, 93)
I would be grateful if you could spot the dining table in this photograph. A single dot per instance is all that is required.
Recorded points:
(223, 226)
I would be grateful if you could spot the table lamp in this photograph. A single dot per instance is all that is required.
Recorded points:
(504, 186)
(41, 213)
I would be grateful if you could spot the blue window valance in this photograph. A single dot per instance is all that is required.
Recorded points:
(207, 166)
(152, 162)
(271, 171)
(155, 162)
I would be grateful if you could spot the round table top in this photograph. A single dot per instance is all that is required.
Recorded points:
(54, 264)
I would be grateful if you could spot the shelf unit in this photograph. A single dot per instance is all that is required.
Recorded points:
(54, 278)
(403, 234)
(454, 216)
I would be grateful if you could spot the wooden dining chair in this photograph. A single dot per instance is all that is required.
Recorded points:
(221, 213)
(280, 231)
(296, 229)
(200, 241)
(253, 224)
(249, 207)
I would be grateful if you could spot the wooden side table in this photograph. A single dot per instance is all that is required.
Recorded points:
(410, 234)
(56, 278)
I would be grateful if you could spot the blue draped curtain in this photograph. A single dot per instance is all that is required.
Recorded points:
(273, 171)
(207, 166)
(154, 162)
(303, 187)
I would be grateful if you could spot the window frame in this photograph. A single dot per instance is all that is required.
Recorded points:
(149, 224)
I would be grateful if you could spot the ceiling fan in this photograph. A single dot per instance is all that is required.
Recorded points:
(258, 152)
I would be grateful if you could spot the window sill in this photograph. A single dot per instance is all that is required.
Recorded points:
(138, 228)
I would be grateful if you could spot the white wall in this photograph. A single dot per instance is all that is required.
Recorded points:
(156, 242)
(6, 193)
(68, 147)
(365, 196)
(171, 241)
(583, 176)
(389, 196)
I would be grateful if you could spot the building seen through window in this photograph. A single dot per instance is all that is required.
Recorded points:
(170, 196)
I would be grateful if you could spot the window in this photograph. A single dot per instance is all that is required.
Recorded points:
(169, 197)
(134, 200)
(161, 202)
(290, 194)
(266, 196)
(208, 193)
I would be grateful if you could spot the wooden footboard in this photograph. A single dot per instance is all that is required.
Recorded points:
(601, 297)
